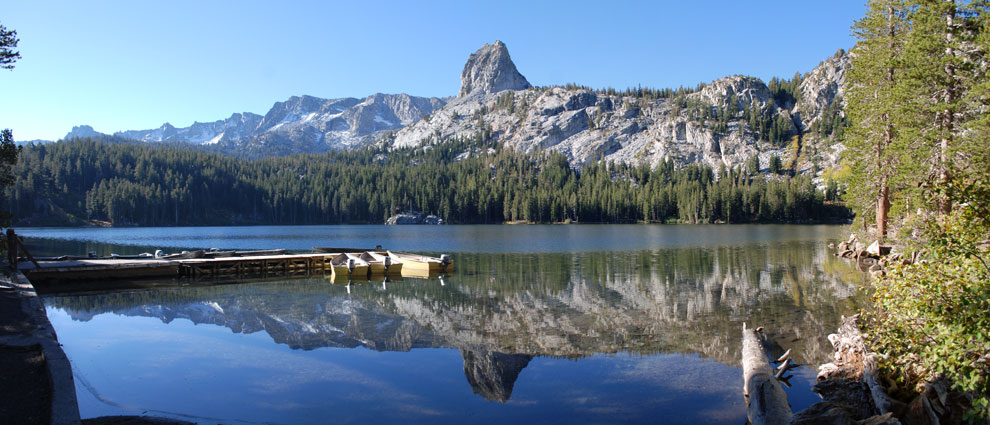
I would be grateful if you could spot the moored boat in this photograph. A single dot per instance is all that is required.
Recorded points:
(339, 267)
(252, 253)
(359, 268)
(418, 262)
(393, 267)
(376, 266)
(331, 250)
(186, 255)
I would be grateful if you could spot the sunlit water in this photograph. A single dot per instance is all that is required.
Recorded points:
(555, 324)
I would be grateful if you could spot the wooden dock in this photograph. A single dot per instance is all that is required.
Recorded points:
(98, 268)
(216, 264)
(262, 266)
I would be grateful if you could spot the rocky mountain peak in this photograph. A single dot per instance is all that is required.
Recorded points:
(745, 90)
(490, 70)
(81, 131)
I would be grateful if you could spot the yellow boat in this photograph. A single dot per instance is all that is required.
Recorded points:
(359, 268)
(338, 268)
(421, 263)
(378, 264)
(343, 266)
(419, 273)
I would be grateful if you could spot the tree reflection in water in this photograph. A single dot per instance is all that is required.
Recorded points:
(501, 310)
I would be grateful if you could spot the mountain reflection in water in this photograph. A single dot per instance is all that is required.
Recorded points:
(503, 310)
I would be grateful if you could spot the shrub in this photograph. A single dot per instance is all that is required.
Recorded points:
(932, 318)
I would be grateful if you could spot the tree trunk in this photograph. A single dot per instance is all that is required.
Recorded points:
(883, 206)
(945, 203)
(766, 402)
(883, 198)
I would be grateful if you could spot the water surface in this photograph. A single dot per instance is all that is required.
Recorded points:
(467, 238)
(557, 324)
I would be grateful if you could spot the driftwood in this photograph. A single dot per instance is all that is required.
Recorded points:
(877, 391)
(785, 356)
(854, 361)
(849, 387)
(766, 402)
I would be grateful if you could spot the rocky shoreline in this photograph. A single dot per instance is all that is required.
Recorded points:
(851, 387)
(874, 257)
(414, 218)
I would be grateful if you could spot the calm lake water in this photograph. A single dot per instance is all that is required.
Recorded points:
(550, 324)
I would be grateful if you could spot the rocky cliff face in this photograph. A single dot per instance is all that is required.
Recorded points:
(586, 125)
(821, 87)
(490, 70)
(822, 97)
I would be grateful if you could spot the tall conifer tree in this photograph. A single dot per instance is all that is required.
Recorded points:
(944, 64)
(877, 65)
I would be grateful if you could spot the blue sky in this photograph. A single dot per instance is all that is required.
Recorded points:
(128, 65)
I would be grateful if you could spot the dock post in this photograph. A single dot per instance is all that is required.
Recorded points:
(20, 243)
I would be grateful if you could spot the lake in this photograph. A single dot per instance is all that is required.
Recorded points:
(555, 324)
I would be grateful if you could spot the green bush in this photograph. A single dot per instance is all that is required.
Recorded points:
(932, 317)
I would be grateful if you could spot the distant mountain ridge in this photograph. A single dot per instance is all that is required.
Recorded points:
(724, 123)
(301, 124)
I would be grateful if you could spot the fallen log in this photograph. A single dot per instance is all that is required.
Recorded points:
(766, 402)
(877, 391)
(852, 360)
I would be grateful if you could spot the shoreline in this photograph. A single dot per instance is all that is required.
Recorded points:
(23, 328)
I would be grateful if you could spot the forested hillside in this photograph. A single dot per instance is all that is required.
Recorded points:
(464, 180)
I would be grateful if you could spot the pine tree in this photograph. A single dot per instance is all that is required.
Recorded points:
(877, 65)
(8, 151)
(973, 169)
(942, 68)
(8, 42)
(775, 164)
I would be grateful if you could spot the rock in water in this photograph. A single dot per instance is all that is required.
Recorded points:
(490, 70)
